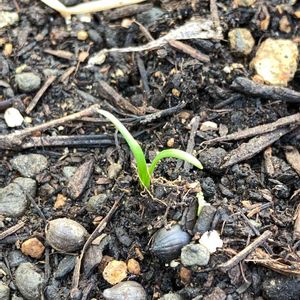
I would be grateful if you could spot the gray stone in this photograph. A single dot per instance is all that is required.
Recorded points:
(65, 266)
(29, 281)
(4, 291)
(212, 159)
(205, 219)
(150, 16)
(29, 165)
(194, 255)
(70, 2)
(95, 36)
(69, 171)
(96, 203)
(208, 187)
(16, 257)
(28, 184)
(171, 296)
(281, 287)
(13, 201)
(28, 81)
(113, 170)
(241, 41)
(8, 18)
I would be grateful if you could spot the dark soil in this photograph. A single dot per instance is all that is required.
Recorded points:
(173, 78)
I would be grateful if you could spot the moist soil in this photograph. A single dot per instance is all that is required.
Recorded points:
(173, 78)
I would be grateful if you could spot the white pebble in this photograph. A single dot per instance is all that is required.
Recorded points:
(208, 126)
(13, 118)
(211, 240)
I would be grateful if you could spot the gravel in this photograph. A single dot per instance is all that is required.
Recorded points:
(194, 255)
(29, 281)
(28, 81)
(4, 291)
(8, 18)
(13, 201)
(29, 165)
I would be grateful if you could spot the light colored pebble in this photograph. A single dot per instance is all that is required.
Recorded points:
(13, 117)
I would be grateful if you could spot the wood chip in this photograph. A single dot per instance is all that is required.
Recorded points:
(80, 179)
(61, 54)
(293, 157)
(254, 146)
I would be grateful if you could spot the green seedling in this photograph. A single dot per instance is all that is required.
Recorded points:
(144, 171)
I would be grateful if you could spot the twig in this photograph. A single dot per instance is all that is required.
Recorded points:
(249, 87)
(11, 230)
(14, 140)
(258, 130)
(39, 94)
(127, 11)
(101, 226)
(14, 101)
(60, 53)
(143, 74)
(245, 252)
(190, 51)
(120, 101)
(254, 146)
(215, 15)
(88, 7)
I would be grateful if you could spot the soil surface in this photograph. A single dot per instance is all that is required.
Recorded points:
(82, 175)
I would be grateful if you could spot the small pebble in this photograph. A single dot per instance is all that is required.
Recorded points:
(185, 275)
(114, 170)
(82, 35)
(96, 203)
(28, 81)
(8, 18)
(170, 142)
(243, 3)
(211, 240)
(4, 291)
(13, 201)
(95, 36)
(69, 171)
(115, 272)
(13, 117)
(241, 41)
(276, 61)
(16, 257)
(29, 165)
(171, 296)
(60, 201)
(194, 255)
(8, 49)
(33, 248)
(208, 126)
(65, 266)
(29, 281)
(212, 159)
(124, 291)
(205, 219)
(133, 266)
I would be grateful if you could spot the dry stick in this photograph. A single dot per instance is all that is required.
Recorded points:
(143, 74)
(61, 54)
(120, 101)
(101, 226)
(245, 252)
(68, 140)
(249, 87)
(127, 11)
(214, 14)
(254, 146)
(14, 101)
(191, 141)
(39, 94)
(13, 140)
(258, 130)
(189, 50)
(11, 230)
(88, 7)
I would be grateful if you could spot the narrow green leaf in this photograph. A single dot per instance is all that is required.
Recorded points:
(175, 153)
(134, 147)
